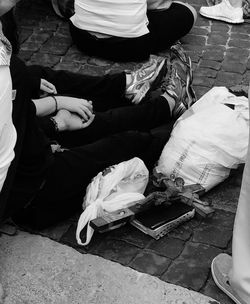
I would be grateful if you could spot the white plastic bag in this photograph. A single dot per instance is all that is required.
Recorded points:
(123, 184)
(208, 140)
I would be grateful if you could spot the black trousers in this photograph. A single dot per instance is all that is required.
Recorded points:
(165, 27)
(114, 136)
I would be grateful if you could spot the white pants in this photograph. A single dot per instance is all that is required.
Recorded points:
(240, 273)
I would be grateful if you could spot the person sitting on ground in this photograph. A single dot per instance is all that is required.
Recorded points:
(232, 274)
(230, 11)
(129, 30)
(44, 186)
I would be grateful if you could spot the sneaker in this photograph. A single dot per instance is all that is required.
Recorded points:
(142, 79)
(220, 267)
(177, 81)
(223, 11)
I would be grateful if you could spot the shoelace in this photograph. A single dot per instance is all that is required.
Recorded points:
(169, 85)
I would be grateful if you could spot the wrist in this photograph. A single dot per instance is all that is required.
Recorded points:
(59, 124)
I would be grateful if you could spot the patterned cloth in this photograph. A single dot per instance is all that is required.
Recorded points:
(5, 50)
(246, 6)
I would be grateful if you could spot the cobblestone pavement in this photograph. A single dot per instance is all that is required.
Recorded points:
(220, 55)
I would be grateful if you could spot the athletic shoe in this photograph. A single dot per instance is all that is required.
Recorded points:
(177, 81)
(143, 78)
(223, 11)
(220, 267)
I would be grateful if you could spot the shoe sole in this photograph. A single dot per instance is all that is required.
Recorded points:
(223, 19)
(220, 268)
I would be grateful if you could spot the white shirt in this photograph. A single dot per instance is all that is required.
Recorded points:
(120, 18)
(7, 129)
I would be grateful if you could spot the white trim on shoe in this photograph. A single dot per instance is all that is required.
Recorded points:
(220, 267)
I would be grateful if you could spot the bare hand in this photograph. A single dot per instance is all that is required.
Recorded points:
(80, 106)
(68, 121)
(47, 87)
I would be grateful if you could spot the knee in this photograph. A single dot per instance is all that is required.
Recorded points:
(191, 8)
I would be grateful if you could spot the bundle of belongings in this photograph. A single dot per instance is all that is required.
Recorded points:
(206, 142)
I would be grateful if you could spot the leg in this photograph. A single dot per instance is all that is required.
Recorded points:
(240, 274)
(114, 48)
(106, 91)
(167, 26)
(143, 117)
(72, 171)
(232, 275)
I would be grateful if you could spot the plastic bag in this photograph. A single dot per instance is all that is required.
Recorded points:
(208, 140)
(115, 188)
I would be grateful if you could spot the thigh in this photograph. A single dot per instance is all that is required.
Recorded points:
(73, 170)
(167, 26)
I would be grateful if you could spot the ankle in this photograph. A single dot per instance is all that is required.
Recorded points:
(170, 100)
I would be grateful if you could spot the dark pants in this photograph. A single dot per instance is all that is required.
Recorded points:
(114, 136)
(165, 27)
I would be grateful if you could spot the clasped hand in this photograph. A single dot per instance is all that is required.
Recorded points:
(73, 113)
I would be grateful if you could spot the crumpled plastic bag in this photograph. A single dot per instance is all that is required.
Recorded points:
(113, 189)
(208, 140)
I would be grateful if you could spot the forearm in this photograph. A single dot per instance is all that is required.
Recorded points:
(46, 106)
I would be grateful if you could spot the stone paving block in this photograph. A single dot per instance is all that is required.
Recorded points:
(69, 66)
(39, 37)
(167, 246)
(200, 91)
(131, 235)
(242, 28)
(239, 36)
(246, 78)
(214, 292)
(228, 78)
(94, 70)
(203, 81)
(185, 230)
(56, 232)
(220, 27)
(211, 64)
(116, 250)
(25, 55)
(212, 235)
(74, 55)
(237, 54)
(205, 72)
(240, 43)
(217, 38)
(233, 66)
(151, 263)
(30, 46)
(192, 267)
(194, 40)
(213, 55)
(98, 239)
(56, 45)
(199, 31)
(44, 59)
(25, 34)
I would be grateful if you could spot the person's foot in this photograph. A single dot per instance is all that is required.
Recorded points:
(220, 267)
(176, 83)
(142, 79)
(223, 11)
